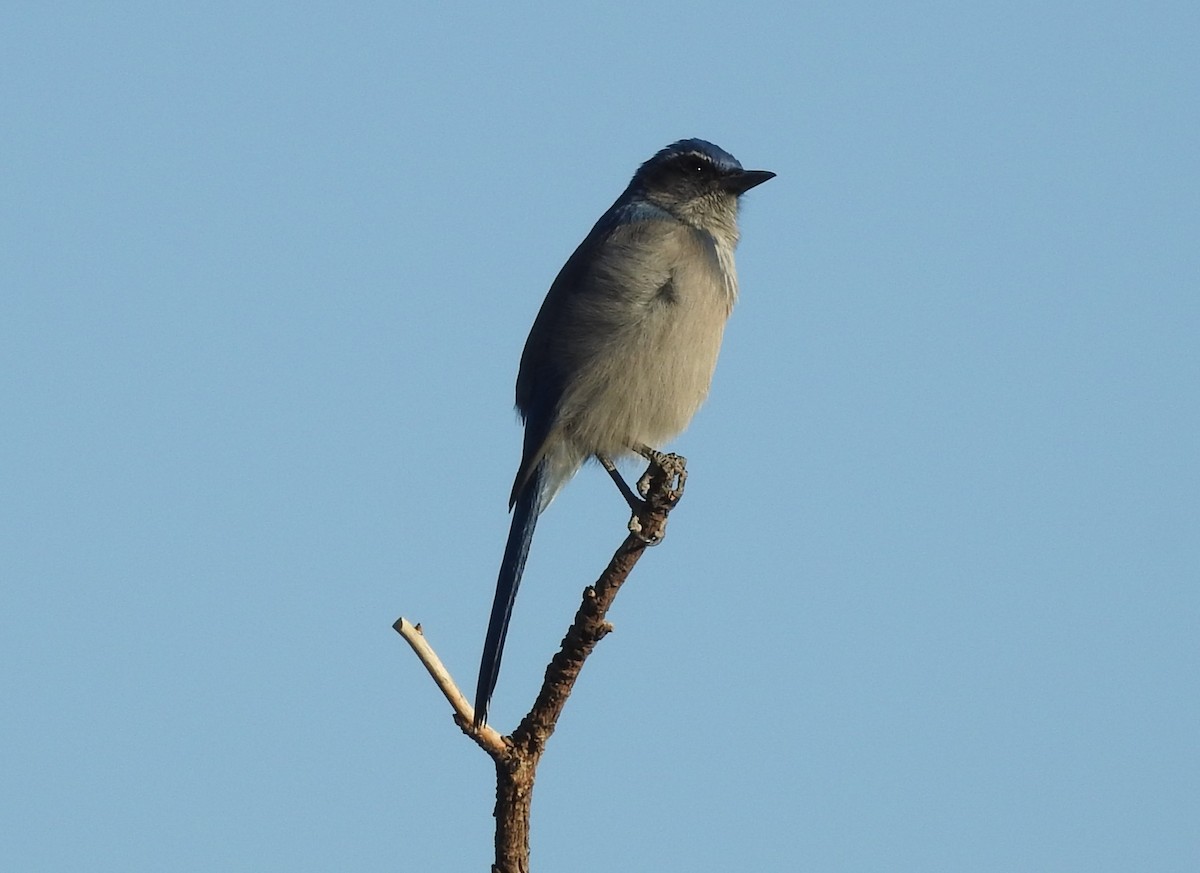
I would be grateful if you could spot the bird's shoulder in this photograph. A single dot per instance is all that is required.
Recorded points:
(643, 243)
(633, 256)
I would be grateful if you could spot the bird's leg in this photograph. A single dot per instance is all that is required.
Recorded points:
(673, 466)
(637, 504)
(646, 523)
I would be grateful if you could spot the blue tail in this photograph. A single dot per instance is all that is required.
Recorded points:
(516, 550)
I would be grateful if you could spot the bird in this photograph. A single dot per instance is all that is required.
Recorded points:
(623, 349)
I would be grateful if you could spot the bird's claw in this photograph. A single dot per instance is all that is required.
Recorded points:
(674, 470)
(664, 479)
(650, 538)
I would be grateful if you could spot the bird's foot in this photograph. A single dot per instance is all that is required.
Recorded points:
(643, 533)
(661, 487)
(669, 469)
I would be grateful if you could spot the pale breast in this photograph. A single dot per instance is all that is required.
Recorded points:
(652, 380)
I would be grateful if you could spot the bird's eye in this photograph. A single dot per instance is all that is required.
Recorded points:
(695, 166)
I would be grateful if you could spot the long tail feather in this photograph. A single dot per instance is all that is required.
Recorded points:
(516, 550)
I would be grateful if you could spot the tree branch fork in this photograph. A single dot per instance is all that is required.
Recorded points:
(517, 755)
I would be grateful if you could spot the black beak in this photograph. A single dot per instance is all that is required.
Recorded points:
(741, 181)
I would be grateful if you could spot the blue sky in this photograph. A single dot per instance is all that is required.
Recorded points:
(930, 602)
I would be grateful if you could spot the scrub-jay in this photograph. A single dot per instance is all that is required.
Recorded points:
(623, 349)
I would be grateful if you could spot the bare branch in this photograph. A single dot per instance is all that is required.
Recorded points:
(517, 757)
(662, 486)
(464, 714)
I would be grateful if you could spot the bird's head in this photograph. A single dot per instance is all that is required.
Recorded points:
(697, 182)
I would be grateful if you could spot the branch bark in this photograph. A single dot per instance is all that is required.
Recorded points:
(517, 756)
